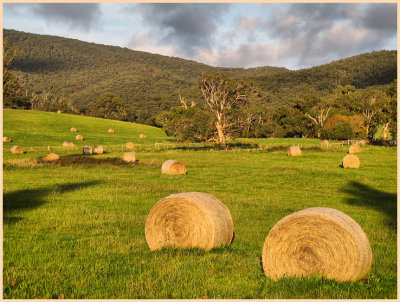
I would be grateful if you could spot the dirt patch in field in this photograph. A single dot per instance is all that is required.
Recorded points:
(22, 163)
(91, 161)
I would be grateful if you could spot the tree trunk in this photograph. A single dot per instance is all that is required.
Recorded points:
(221, 134)
(385, 129)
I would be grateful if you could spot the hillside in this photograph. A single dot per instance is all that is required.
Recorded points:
(80, 72)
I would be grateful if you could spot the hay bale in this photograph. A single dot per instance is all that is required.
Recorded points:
(79, 137)
(65, 144)
(320, 241)
(71, 145)
(59, 111)
(87, 150)
(294, 151)
(52, 157)
(142, 136)
(129, 157)
(325, 143)
(351, 161)
(111, 131)
(354, 149)
(98, 149)
(130, 145)
(16, 149)
(6, 139)
(191, 219)
(173, 167)
(73, 130)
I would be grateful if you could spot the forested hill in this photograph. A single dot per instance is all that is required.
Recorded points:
(81, 72)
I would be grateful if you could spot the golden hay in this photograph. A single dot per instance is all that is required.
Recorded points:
(16, 149)
(173, 167)
(71, 145)
(325, 143)
(294, 151)
(79, 137)
(51, 157)
(191, 219)
(351, 161)
(320, 241)
(65, 144)
(354, 149)
(6, 139)
(98, 149)
(130, 145)
(129, 157)
(59, 111)
(142, 136)
(73, 130)
(87, 150)
(111, 131)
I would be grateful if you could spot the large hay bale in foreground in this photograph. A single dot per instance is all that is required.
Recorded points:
(354, 149)
(111, 131)
(325, 143)
(6, 139)
(52, 157)
(351, 161)
(320, 241)
(173, 167)
(191, 219)
(142, 136)
(130, 145)
(87, 150)
(129, 157)
(16, 149)
(79, 137)
(73, 130)
(98, 149)
(294, 151)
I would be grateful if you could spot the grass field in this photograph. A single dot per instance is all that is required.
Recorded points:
(75, 229)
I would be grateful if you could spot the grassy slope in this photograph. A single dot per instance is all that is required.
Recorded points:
(79, 232)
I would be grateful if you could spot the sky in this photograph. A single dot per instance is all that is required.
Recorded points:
(291, 35)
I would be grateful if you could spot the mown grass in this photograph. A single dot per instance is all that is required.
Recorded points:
(75, 229)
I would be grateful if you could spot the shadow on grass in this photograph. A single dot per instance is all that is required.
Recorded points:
(245, 146)
(31, 199)
(368, 197)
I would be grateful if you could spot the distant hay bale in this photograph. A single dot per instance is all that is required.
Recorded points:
(129, 157)
(173, 167)
(351, 161)
(71, 145)
(354, 149)
(193, 219)
(65, 144)
(294, 151)
(142, 136)
(79, 137)
(320, 241)
(6, 139)
(52, 157)
(98, 149)
(111, 131)
(59, 111)
(87, 150)
(16, 149)
(73, 130)
(130, 145)
(325, 143)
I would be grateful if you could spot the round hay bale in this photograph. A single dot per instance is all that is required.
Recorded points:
(294, 151)
(129, 157)
(130, 145)
(6, 139)
(173, 167)
(59, 111)
(73, 130)
(320, 241)
(87, 150)
(354, 149)
(79, 137)
(193, 219)
(351, 161)
(52, 157)
(325, 143)
(16, 149)
(65, 144)
(98, 149)
(71, 145)
(111, 131)
(142, 136)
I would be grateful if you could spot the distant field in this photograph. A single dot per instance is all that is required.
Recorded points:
(76, 229)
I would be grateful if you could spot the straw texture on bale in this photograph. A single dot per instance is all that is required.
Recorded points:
(173, 167)
(73, 130)
(65, 144)
(129, 157)
(351, 161)
(325, 143)
(111, 131)
(79, 137)
(320, 241)
(51, 157)
(142, 136)
(294, 151)
(98, 149)
(193, 219)
(16, 149)
(87, 150)
(6, 139)
(130, 145)
(354, 149)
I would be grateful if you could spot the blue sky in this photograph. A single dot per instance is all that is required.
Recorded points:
(231, 35)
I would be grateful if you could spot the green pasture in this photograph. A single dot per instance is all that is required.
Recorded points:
(75, 229)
